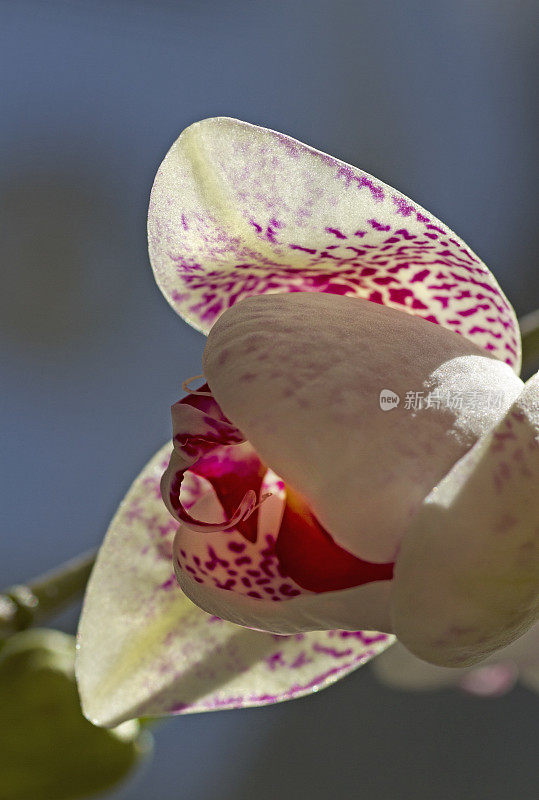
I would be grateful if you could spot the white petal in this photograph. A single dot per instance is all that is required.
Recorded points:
(301, 375)
(145, 649)
(467, 577)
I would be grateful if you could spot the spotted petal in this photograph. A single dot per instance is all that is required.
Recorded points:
(467, 576)
(238, 210)
(145, 649)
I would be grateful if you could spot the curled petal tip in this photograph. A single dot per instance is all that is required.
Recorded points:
(170, 491)
(247, 506)
(200, 428)
(187, 388)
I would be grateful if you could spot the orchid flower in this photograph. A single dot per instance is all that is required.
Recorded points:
(297, 505)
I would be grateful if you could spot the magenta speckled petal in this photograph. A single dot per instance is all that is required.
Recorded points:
(227, 560)
(145, 649)
(238, 210)
(467, 575)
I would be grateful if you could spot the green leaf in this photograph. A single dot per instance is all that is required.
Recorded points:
(49, 750)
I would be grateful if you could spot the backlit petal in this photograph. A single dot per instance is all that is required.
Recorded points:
(145, 649)
(238, 210)
(301, 375)
(467, 576)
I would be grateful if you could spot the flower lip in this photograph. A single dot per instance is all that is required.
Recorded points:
(273, 557)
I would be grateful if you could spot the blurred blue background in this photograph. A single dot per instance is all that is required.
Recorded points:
(435, 98)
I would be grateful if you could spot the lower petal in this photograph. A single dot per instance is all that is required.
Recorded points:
(144, 649)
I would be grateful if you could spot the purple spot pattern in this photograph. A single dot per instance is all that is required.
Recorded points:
(514, 451)
(229, 561)
(302, 664)
(434, 280)
(397, 255)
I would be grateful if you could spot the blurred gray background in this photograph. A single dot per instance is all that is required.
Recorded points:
(435, 98)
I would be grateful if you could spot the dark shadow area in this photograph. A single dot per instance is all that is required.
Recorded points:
(358, 739)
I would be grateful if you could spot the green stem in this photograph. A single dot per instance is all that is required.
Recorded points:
(529, 328)
(31, 603)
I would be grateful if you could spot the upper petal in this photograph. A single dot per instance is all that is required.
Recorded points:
(301, 375)
(238, 210)
(467, 576)
(145, 649)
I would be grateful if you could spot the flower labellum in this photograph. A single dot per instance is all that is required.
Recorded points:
(295, 503)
